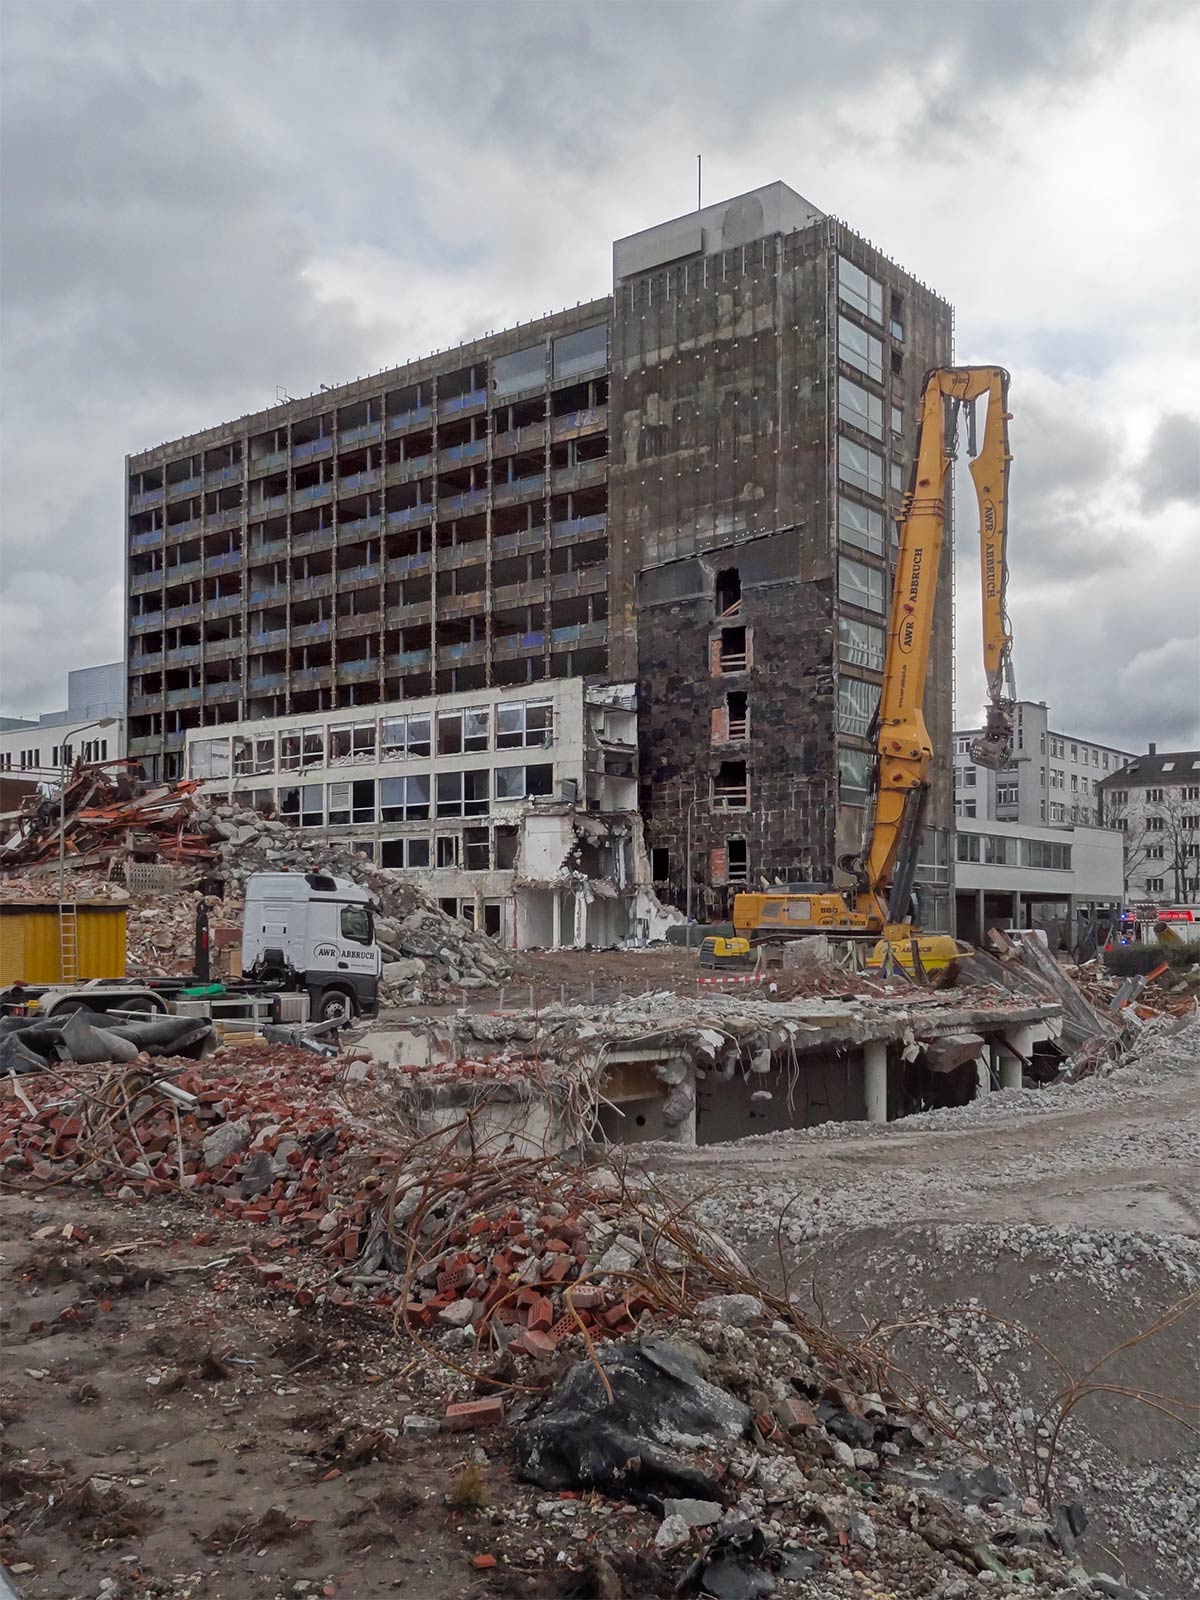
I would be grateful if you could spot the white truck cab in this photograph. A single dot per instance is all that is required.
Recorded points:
(308, 931)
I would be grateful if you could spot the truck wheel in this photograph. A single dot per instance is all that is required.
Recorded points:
(336, 1003)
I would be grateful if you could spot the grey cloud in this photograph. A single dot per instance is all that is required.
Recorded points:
(178, 177)
(1170, 469)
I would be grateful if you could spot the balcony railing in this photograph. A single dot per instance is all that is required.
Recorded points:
(402, 471)
(308, 631)
(369, 572)
(358, 528)
(311, 449)
(409, 419)
(471, 450)
(276, 550)
(407, 515)
(587, 417)
(462, 402)
(174, 615)
(183, 572)
(266, 594)
(462, 555)
(220, 475)
(225, 605)
(144, 582)
(469, 650)
(267, 682)
(411, 566)
(146, 541)
(356, 670)
(312, 588)
(456, 504)
(358, 481)
(275, 462)
(226, 561)
(579, 527)
(146, 621)
(360, 435)
(404, 660)
(183, 486)
(269, 503)
(319, 539)
(183, 530)
(313, 495)
(312, 677)
(183, 697)
(504, 494)
(275, 640)
(147, 498)
(229, 518)
(223, 689)
(185, 655)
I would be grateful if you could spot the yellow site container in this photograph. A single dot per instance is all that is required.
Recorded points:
(31, 944)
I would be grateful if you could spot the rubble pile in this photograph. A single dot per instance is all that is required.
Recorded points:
(113, 822)
(614, 1351)
(1170, 992)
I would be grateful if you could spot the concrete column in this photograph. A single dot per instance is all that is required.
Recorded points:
(981, 917)
(556, 934)
(1011, 1060)
(875, 1079)
(1016, 911)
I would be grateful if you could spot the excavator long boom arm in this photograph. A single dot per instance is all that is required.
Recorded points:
(903, 749)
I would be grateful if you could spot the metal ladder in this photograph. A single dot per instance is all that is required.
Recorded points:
(68, 942)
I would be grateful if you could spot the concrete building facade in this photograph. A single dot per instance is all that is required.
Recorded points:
(1024, 875)
(1054, 777)
(518, 807)
(692, 484)
(1154, 801)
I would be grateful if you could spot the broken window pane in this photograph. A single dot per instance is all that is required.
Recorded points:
(856, 705)
(859, 467)
(577, 353)
(859, 408)
(854, 775)
(860, 644)
(524, 369)
(860, 349)
(856, 289)
(476, 722)
(860, 525)
(860, 585)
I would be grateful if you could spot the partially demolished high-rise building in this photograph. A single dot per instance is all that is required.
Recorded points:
(691, 485)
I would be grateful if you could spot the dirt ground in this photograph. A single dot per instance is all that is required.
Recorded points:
(221, 1423)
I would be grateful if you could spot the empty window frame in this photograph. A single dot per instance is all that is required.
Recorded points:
(464, 794)
(860, 585)
(860, 349)
(737, 861)
(351, 802)
(660, 864)
(525, 783)
(730, 651)
(253, 755)
(731, 787)
(303, 748)
(460, 731)
(521, 723)
(856, 702)
(303, 805)
(405, 737)
(524, 369)
(860, 644)
(582, 352)
(404, 799)
(859, 467)
(477, 849)
(856, 288)
(860, 525)
(353, 741)
(854, 776)
(860, 409)
(404, 854)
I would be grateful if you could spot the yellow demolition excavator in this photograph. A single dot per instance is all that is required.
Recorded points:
(880, 901)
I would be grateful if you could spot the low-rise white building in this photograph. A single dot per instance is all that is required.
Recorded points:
(1052, 777)
(1012, 875)
(91, 727)
(518, 806)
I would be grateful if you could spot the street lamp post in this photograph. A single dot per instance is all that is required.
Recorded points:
(103, 722)
(692, 804)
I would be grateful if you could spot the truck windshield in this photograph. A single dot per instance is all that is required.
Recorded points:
(356, 924)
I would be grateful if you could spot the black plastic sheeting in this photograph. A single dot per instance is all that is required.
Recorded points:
(638, 1445)
(29, 1044)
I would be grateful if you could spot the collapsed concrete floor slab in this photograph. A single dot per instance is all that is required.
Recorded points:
(700, 1070)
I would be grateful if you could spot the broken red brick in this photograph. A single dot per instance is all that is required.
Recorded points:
(482, 1563)
(466, 1414)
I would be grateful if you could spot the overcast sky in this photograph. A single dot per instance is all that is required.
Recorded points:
(202, 201)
